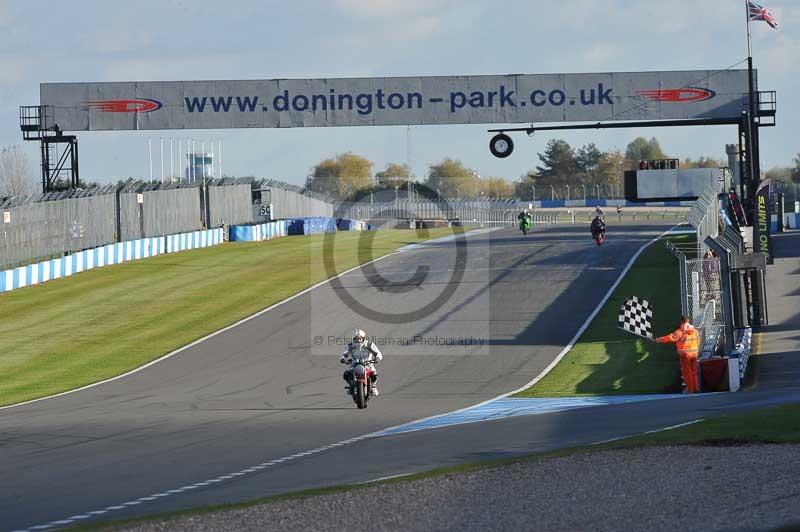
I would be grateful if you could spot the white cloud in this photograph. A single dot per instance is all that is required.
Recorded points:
(13, 69)
(779, 58)
(5, 14)
(113, 41)
(389, 8)
(167, 68)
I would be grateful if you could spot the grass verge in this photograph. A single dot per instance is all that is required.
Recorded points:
(775, 425)
(608, 361)
(64, 334)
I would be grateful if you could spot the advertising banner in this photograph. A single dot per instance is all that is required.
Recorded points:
(504, 99)
(761, 225)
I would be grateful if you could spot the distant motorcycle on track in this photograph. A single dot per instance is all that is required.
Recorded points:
(598, 230)
(525, 222)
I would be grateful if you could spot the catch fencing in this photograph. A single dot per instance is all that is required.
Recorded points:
(291, 201)
(499, 213)
(145, 211)
(51, 225)
(229, 205)
(704, 217)
(41, 227)
(704, 275)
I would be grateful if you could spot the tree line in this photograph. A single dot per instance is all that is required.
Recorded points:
(586, 167)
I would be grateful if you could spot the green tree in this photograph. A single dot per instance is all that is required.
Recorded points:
(780, 173)
(641, 149)
(342, 176)
(496, 187)
(586, 160)
(702, 162)
(610, 171)
(524, 187)
(393, 175)
(450, 178)
(558, 164)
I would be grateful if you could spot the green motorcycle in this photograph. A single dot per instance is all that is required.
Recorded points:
(525, 223)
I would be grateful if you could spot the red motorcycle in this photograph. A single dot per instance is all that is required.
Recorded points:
(600, 237)
(598, 232)
(361, 372)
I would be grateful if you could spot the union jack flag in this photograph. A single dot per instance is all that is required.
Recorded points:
(760, 13)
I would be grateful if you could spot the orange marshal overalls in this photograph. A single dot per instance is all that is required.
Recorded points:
(687, 341)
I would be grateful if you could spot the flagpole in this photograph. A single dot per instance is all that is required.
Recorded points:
(752, 127)
(747, 15)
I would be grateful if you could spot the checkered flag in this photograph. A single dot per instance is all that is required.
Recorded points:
(636, 317)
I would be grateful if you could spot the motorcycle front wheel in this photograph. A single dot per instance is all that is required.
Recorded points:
(361, 396)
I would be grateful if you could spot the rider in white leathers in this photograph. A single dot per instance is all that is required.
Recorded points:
(370, 352)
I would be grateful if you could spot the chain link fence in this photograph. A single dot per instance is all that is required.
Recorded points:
(702, 295)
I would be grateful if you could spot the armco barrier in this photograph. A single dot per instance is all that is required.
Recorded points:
(738, 358)
(106, 256)
(259, 232)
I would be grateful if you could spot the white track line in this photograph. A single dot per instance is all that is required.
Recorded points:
(277, 461)
(671, 427)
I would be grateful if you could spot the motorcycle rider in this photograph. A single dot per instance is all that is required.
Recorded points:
(598, 227)
(373, 356)
(524, 215)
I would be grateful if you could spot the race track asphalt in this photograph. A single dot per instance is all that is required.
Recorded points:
(269, 388)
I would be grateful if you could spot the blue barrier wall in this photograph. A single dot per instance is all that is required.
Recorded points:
(312, 226)
(346, 224)
(106, 256)
(259, 232)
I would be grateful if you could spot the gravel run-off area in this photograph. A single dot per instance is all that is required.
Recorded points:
(730, 488)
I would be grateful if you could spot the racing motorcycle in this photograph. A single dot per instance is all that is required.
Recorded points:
(598, 234)
(525, 224)
(361, 371)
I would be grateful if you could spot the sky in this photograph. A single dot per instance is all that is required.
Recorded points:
(103, 40)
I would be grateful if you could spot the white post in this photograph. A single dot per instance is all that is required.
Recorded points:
(180, 160)
(219, 149)
(191, 163)
(734, 379)
(212, 158)
(171, 162)
(150, 155)
(161, 148)
(203, 160)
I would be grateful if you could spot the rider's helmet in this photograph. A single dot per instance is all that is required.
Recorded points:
(359, 336)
